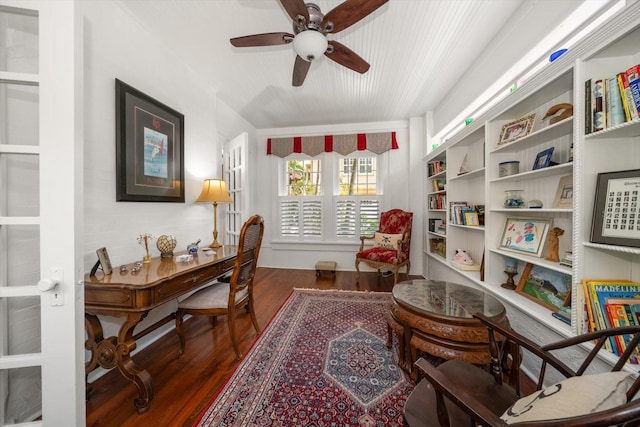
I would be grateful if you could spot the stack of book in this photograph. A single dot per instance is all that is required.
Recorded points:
(612, 303)
(612, 100)
(567, 259)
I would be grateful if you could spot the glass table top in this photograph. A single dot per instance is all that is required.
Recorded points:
(446, 299)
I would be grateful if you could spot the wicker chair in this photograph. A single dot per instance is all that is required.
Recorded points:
(225, 298)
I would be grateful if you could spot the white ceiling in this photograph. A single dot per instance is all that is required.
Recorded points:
(418, 50)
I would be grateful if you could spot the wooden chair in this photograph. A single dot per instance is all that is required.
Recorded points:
(457, 393)
(392, 244)
(225, 298)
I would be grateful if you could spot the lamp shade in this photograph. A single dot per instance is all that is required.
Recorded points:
(214, 191)
(310, 45)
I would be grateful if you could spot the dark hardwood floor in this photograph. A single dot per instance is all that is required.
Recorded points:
(183, 387)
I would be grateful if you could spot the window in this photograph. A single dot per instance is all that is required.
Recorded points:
(358, 176)
(309, 212)
(301, 208)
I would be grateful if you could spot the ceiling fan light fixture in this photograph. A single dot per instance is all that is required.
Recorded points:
(310, 45)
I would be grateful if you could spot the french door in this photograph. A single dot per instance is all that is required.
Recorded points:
(41, 298)
(235, 171)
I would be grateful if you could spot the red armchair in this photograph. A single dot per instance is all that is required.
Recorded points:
(392, 244)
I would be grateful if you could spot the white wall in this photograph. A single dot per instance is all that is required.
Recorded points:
(117, 47)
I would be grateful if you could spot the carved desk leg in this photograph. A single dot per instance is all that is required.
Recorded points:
(112, 352)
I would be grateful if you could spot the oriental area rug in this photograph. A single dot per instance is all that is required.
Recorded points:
(322, 361)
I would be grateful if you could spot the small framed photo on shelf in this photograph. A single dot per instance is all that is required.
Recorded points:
(564, 193)
(543, 159)
(616, 211)
(516, 129)
(525, 235)
(471, 219)
(549, 288)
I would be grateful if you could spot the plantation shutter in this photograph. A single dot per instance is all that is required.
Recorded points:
(356, 216)
(346, 217)
(369, 216)
(301, 217)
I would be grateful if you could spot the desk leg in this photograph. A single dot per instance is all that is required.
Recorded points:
(111, 352)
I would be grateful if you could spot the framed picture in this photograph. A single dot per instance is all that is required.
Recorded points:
(103, 257)
(516, 129)
(564, 193)
(149, 148)
(525, 235)
(616, 212)
(543, 159)
(471, 219)
(549, 288)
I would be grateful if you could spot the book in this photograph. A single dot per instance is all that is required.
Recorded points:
(617, 115)
(599, 111)
(627, 96)
(633, 78)
(466, 267)
(588, 113)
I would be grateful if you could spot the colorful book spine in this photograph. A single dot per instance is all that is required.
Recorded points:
(633, 78)
(633, 112)
(623, 98)
(599, 110)
(616, 108)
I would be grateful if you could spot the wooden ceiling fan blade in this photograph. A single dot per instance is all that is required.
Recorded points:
(295, 8)
(348, 13)
(346, 57)
(300, 70)
(266, 39)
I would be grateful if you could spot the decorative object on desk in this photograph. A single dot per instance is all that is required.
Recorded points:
(564, 193)
(554, 243)
(517, 129)
(616, 212)
(373, 393)
(558, 113)
(149, 148)
(143, 240)
(549, 288)
(525, 235)
(192, 248)
(543, 159)
(214, 191)
(166, 244)
(511, 167)
(104, 261)
(534, 204)
(513, 199)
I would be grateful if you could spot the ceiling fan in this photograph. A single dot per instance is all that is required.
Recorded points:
(310, 29)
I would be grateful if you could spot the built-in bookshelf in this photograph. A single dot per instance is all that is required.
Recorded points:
(558, 160)
(436, 234)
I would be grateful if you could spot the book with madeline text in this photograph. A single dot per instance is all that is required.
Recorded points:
(627, 97)
(633, 78)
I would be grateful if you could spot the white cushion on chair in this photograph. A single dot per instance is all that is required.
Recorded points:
(387, 241)
(214, 296)
(574, 396)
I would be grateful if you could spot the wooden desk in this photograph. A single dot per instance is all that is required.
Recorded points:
(437, 318)
(132, 295)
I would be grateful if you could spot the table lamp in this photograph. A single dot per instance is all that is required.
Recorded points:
(214, 191)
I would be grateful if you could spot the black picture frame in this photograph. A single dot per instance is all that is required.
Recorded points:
(543, 159)
(616, 209)
(149, 148)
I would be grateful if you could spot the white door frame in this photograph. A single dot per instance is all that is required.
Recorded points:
(60, 221)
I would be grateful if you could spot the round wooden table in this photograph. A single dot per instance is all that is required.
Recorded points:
(437, 318)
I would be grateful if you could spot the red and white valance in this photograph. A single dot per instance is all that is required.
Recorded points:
(344, 144)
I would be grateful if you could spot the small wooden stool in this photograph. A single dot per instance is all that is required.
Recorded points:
(329, 266)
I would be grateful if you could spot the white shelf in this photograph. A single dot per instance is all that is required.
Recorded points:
(467, 227)
(613, 248)
(555, 266)
(470, 175)
(563, 169)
